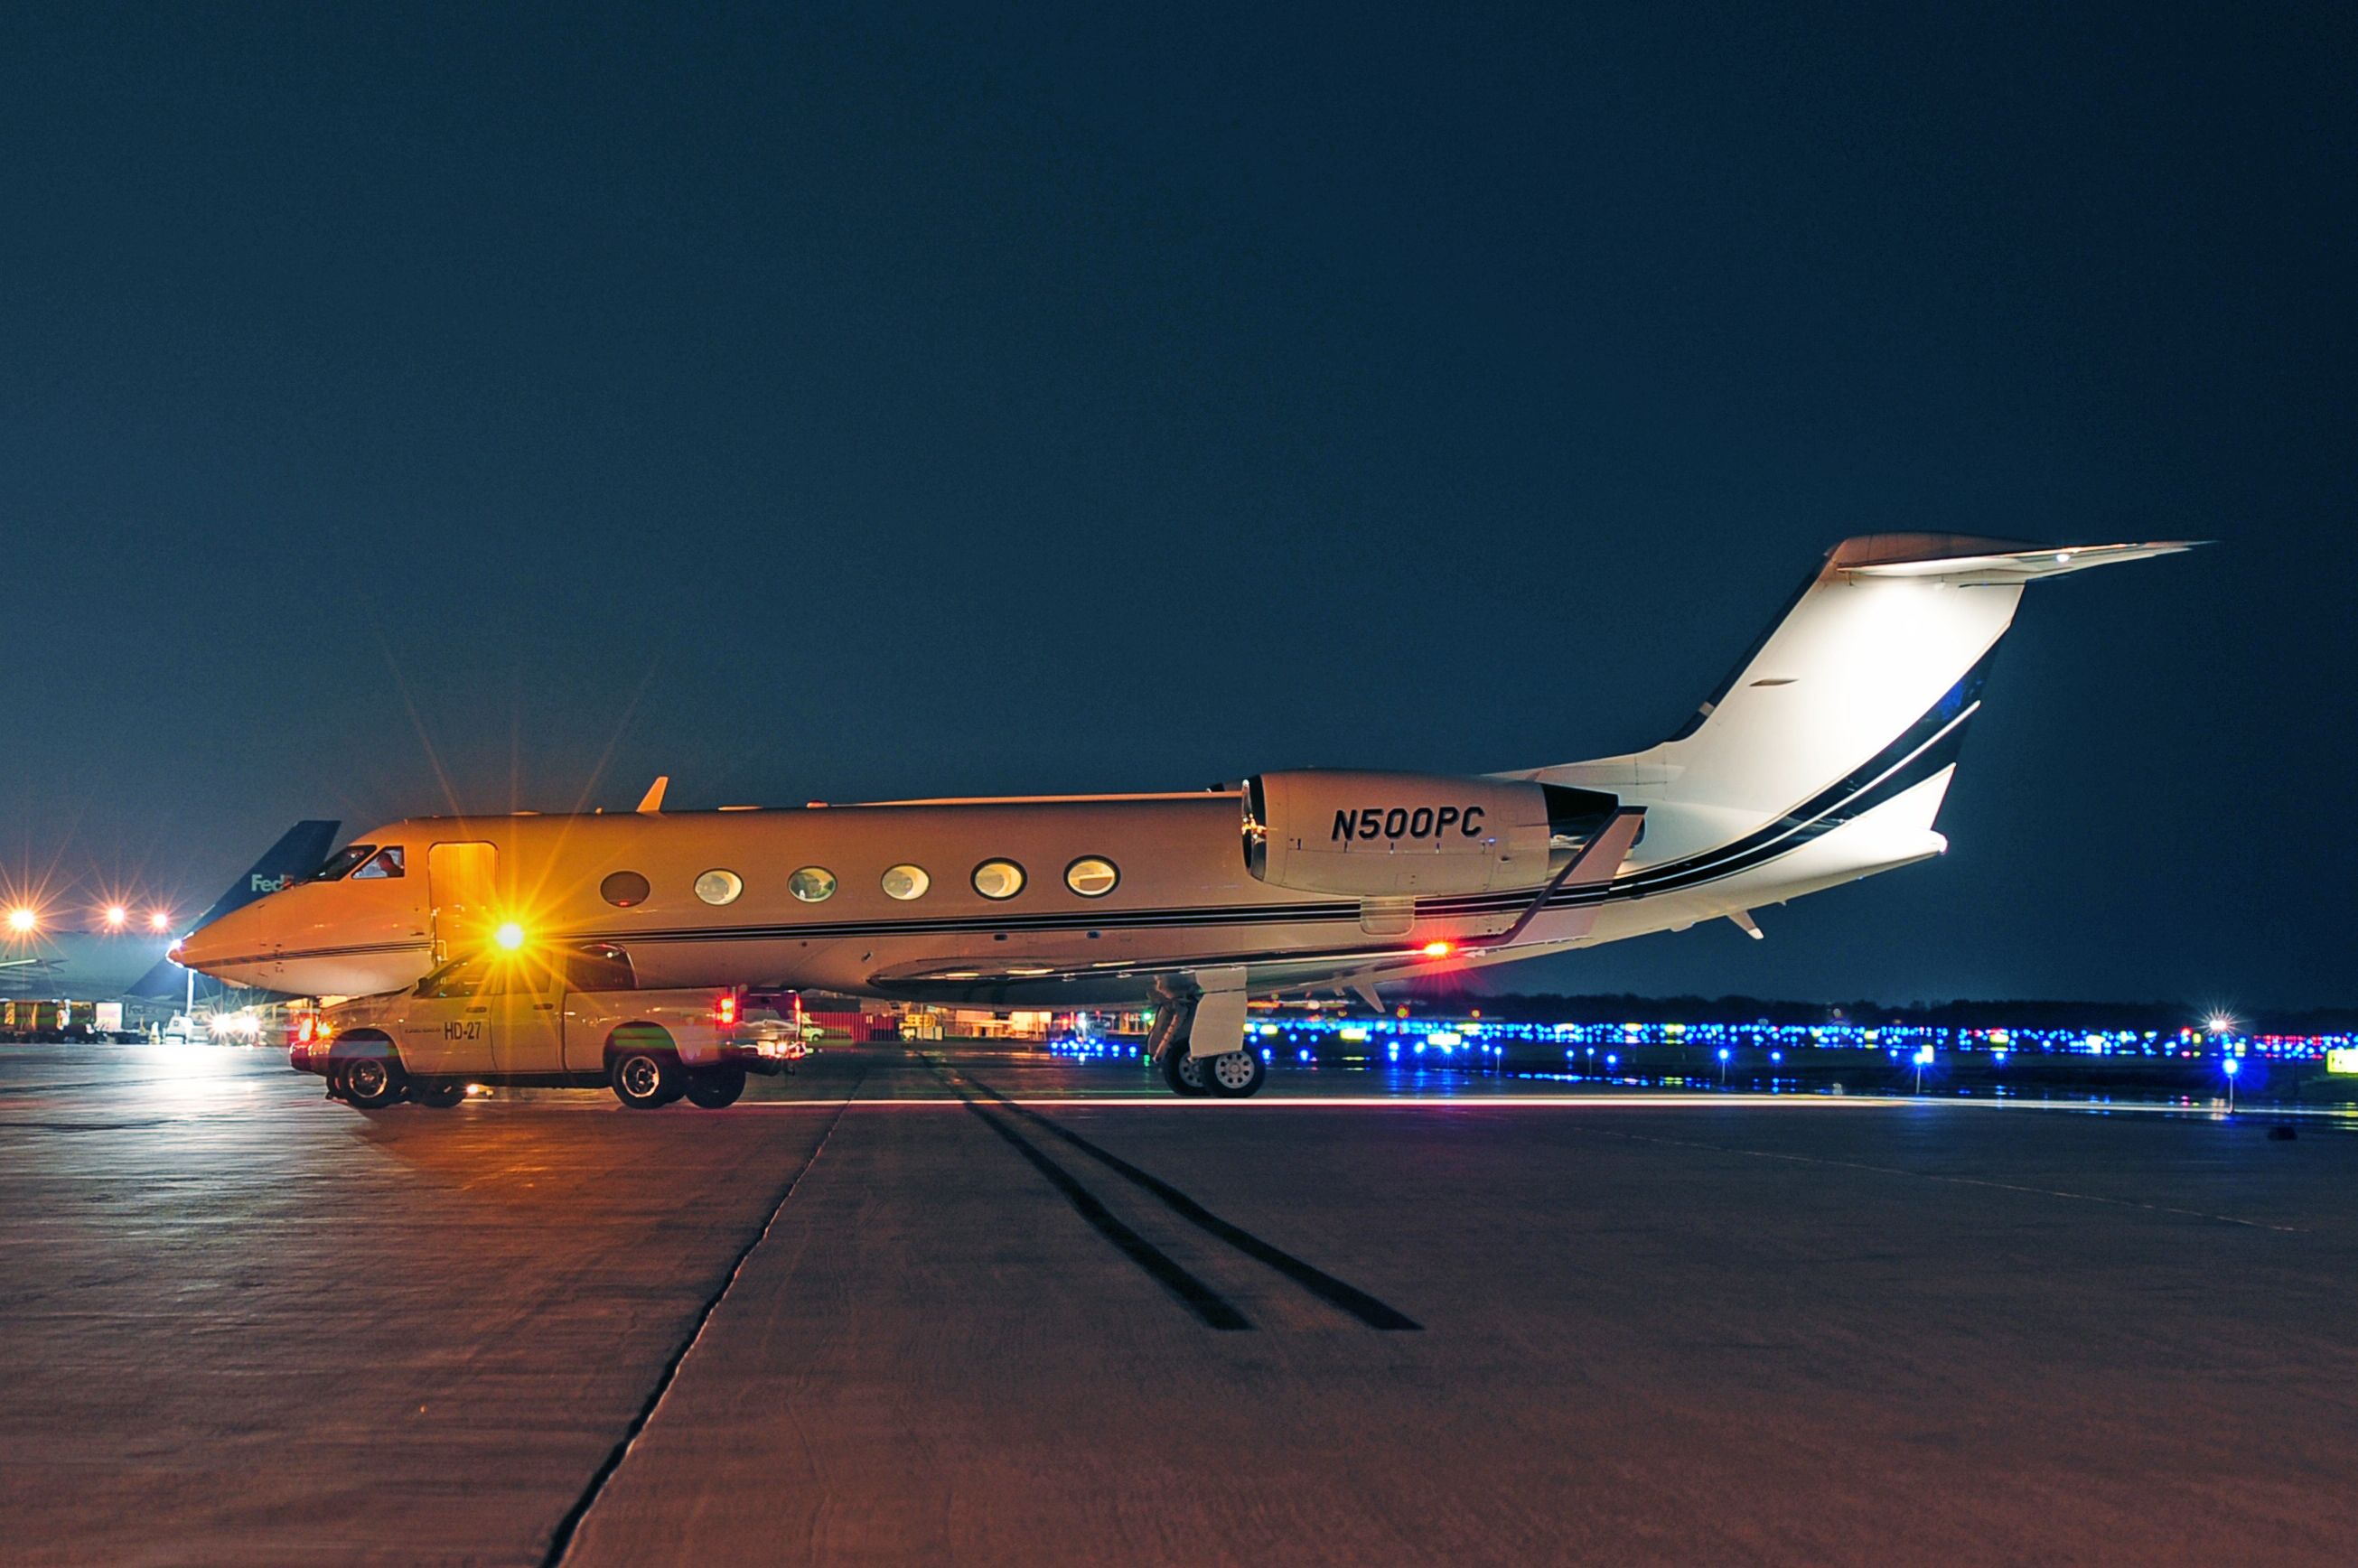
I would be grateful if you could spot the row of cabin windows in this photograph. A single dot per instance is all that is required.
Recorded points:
(1091, 876)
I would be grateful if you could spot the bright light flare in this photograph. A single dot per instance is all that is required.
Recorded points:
(24, 920)
(159, 921)
(1438, 949)
(509, 935)
(2220, 1024)
(116, 917)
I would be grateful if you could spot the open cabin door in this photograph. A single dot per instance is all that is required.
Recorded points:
(462, 881)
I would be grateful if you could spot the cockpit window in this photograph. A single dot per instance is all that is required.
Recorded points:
(385, 863)
(343, 862)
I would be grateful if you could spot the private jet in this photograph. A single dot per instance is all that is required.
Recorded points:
(1824, 758)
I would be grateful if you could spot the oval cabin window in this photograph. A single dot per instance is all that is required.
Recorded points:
(720, 887)
(812, 885)
(624, 889)
(1091, 877)
(905, 883)
(999, 878)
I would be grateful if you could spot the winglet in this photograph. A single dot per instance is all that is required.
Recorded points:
(651, 802)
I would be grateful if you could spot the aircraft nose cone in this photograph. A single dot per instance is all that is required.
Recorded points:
(220, 940)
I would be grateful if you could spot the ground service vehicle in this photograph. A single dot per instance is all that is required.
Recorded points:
(574, 1019)
(25, 1021)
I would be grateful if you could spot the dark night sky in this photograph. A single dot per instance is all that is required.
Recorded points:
(838, 403)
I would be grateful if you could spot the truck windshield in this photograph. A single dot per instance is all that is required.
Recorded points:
(343, 862)
(599, 969)
(459, 978)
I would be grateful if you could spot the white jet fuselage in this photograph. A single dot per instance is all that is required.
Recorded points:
(1823, 759)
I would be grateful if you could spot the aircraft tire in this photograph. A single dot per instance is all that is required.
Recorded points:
(371, 1083)
(1234, 1075)
(1184, 1072)
(441, 1093)
(644, 1079)
(713, 1088)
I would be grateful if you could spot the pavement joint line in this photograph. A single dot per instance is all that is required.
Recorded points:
(568, 1528)
(1957, 1181)
(1334, 1293)
(1212, 1309)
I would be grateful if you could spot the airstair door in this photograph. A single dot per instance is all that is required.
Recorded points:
(461, 880)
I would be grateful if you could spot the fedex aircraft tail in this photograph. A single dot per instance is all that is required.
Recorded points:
(1860, 693)
(299, 852)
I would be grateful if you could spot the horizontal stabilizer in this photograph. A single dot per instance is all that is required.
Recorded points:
(1989, 569)
(1866, 684)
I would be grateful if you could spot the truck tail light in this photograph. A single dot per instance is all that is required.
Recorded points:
(306, 1029)
(724, 1010)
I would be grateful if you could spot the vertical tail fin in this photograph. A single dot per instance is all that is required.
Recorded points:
(1877, 666)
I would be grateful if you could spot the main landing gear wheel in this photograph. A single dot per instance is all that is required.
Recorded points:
(440, 1095)
(1184, 1072)
(645, 1079)
(1236, 1074)
(713, 1088)
(371, 1083)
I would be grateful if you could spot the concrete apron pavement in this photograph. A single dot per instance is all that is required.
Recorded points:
(237, 1325)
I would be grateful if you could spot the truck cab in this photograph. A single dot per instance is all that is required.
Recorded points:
(572, 1019)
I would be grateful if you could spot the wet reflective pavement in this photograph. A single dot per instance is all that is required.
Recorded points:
(981, 1306)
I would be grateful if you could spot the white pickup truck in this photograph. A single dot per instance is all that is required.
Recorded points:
(570, 1019)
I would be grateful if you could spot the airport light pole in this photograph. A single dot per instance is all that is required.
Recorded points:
(2232, 1066)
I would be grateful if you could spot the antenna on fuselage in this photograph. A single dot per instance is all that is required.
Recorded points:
(651, 804)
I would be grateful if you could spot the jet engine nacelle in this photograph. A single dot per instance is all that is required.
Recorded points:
(1367, 835)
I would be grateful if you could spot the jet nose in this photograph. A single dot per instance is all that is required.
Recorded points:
(221, 946)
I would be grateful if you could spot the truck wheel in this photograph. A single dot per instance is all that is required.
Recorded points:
(371, 1083)
(645, 1079)
(441, 1095)
(1184, 1072)
(713, 1088)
